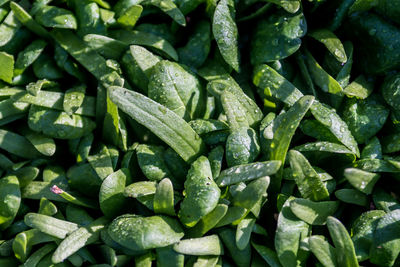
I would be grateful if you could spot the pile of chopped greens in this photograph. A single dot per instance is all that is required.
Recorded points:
(199, 133)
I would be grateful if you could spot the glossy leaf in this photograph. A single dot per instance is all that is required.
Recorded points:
(290, 230)
(202, 193)
(308, 181)
(314, 213)
(226, 33)
(78, 239)
(155, 231)
(323, 251)
(111, 198)
(345, 253)
(284, 127)
(385, 246)
(161, 121)
(207, 245)
(331, 42)
(176, 88)
(361, 180)
(10, 199)
(278, 37)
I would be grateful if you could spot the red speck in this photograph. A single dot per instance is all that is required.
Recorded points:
(56, 190)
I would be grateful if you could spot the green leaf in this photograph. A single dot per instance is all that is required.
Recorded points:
(78, 239)
(226, 83)
(140, 189)
(235, 113)
(278, 37)
(363, 231)
(151, 162)
(247, 172)
(17, 145)
(101, 163)
(39, 254)
(390, 90)
(161, 121)
(269, 80)
(169, 7)
(352, 196)
(138, 64)
(7, 69)
(385, 201)
(331, 42)
(154, 231)
(164, 198)
(46, 207)
(208, 222)
(111, 198)
(73, 99)
(321, 78)
(202, 194)
(176, 88)
(205, 261)
(372, 149)
(243, 232)
(28, 56)
(390, 143)
(149, 40)
(90, 59)
(361, 180)
(267, 254)
(55, 17)
(318, 131)
(54, 100)
(291, 6)
(49, 225)
(26, 19)
(330, 119)
(290, 230)
(207, 245)
(242, 146)
(239, 257)
(385, 246)
(323, 251)
(375, 165)
(345, 253)
(284, 127)
(365, 118)
(45, 145)
(216, 157)
(360, 88)
(196, 50)
(24, 241)
(307, 179)
(10, 199)
(314, 213)
(166, 257)
(130, 16)
(226, 33)
(252, 193)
